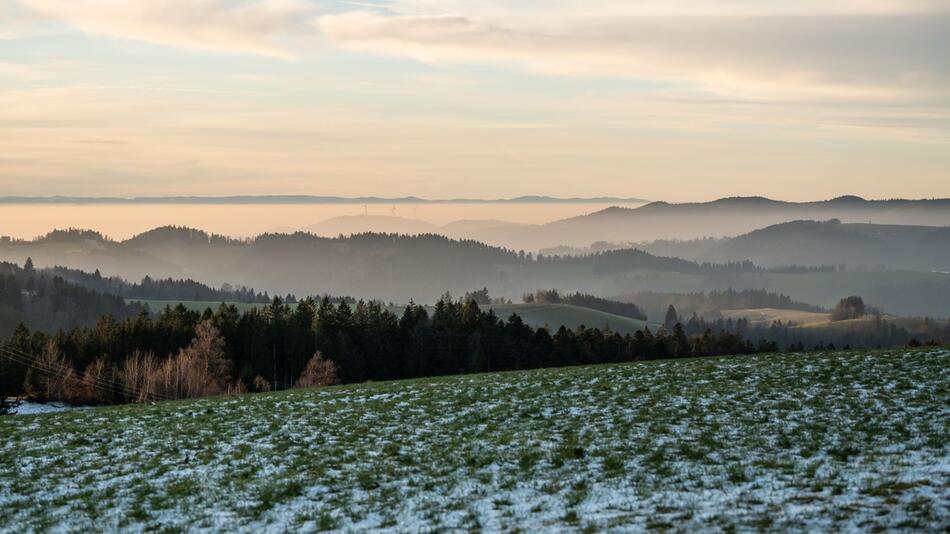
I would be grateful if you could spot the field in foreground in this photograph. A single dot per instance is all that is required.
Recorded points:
(840, 441)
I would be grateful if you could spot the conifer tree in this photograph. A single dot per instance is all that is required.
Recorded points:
(671, 318)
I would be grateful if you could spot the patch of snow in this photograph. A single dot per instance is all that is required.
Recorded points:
(33, 408)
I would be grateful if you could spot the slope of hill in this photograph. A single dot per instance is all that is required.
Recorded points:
(723, 217)
(873, 245)
(554, 316)
(399, 268)
(570, 316)
(877, 246)
(776, 439)
(375, 266)
(767, 316)
(41, 300)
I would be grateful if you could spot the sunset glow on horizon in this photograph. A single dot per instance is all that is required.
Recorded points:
(680, 101)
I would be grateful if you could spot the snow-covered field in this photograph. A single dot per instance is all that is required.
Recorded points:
(33, 408)
(850, 441)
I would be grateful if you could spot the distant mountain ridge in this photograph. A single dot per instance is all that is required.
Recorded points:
(398, 268)
(890, 246)
(719, 218)
(310, 199)
(372, 265)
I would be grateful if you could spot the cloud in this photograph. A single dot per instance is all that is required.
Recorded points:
(785, 57)
(492, 9)
(220, 25)
(760, 49)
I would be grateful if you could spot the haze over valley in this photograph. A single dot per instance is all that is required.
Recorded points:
(405, 266)
(900, 267)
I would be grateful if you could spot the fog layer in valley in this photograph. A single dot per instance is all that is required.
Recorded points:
(901, 269)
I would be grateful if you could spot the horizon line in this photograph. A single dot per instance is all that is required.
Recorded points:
(311, 199)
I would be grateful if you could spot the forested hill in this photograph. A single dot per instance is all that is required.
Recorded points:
(924, 248)
(157, 289)
(47, 302)
(806, 242)
(710, 304)
(385, 266)
(719, 218)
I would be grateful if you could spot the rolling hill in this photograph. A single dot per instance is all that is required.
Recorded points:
(862, 245)
(568, 315)
(723, 217)
(399, 268)
(767, 316)
(791, 442)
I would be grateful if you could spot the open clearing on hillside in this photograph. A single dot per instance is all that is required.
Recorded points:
(769, 315)
(536, 315)
(839, 441)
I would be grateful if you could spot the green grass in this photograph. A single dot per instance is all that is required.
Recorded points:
(767, 316)
(828, 442)
(555, 315)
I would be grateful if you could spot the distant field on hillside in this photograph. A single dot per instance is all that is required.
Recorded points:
(555, 315)
(819, 442)
(770, 315)
(536, 315)
(822, 321)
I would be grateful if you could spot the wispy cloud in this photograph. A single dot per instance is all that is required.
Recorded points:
(220, 25)
(714, 93)
(762, 49)
(492, 9)
(788, 57)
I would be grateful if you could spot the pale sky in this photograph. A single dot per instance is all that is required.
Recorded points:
(659, 99)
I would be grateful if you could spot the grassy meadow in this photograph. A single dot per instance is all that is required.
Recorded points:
(834, 441)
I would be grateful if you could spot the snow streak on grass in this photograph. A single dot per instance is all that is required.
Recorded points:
(848, 441)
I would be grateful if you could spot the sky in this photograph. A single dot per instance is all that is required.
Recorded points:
(678, 100)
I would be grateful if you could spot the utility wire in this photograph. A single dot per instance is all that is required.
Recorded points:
(113, 387)
(102, 385)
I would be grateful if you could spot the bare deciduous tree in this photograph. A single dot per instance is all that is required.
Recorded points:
(261, 384)
(198, 370)
(319, 372)
(51, 377)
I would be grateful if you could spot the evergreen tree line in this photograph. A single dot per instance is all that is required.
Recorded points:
(711, 303)
(877, 332)
(272, 347)
(48, 302)
(429, 245)
(155, 289)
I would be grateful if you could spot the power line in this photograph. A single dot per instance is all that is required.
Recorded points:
(109, 387)
(112, 387)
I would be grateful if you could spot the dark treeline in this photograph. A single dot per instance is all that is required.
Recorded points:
(552, 296)
(271, 346)
(874, 332)
(365, 341)
(47, 302)
(152, 289)
(612, 261)
(602, 261)
(710, 304)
